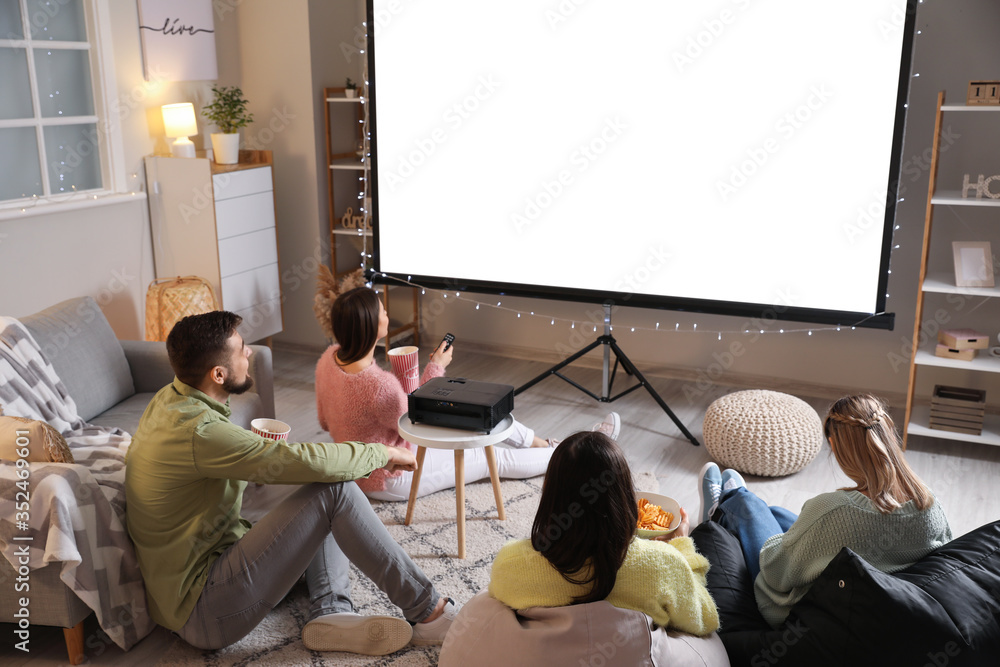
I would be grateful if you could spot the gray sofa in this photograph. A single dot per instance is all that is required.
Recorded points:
(111, 382)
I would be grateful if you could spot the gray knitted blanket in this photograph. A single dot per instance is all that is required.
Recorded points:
(75, 516)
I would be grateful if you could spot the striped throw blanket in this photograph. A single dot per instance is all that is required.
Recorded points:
(76, 515)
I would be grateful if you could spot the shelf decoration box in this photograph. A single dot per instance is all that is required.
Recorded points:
(951, 353)
(964, 339)
(958, 409)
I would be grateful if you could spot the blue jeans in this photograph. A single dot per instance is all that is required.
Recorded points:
(318, 530)
(752, 521)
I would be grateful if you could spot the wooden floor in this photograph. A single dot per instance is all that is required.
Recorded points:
(964, 476)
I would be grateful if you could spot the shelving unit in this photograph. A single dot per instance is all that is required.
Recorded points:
(345, 169)
(917, 416)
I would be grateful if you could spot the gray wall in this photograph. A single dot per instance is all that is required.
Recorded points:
(957, 43)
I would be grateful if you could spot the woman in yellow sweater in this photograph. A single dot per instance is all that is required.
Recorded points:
(584, 548)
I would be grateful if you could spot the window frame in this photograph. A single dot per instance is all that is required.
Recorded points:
(110, 146)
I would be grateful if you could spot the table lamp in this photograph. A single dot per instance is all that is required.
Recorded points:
(179, 122)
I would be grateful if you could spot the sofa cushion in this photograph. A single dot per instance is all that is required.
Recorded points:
(945, 609)
(78, 341)
(41, 442)
(125, 415)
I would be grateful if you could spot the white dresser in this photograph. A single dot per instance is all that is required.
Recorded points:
(218, 222)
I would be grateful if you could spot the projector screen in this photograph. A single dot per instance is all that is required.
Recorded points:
(731, 156)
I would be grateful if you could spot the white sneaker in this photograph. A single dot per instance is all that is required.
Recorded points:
(433, 633)
(611, 426)
(349, 632)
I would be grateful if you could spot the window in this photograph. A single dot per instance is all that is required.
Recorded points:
(53, 143)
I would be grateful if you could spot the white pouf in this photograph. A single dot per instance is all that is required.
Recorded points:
(761, 432)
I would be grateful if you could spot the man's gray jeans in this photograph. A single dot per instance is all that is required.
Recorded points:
(316, 530)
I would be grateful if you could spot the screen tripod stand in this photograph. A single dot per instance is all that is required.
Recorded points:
(608, 374)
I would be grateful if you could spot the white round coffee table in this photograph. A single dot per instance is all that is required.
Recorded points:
(439, 437)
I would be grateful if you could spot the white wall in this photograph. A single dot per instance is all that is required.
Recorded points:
(105, 251)
(286, 58)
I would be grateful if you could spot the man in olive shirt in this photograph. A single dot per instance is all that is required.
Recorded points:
(212, 577)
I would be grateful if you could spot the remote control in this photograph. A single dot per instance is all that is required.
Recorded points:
(448, 340)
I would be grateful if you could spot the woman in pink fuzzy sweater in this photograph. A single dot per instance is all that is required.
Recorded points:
(358, 401)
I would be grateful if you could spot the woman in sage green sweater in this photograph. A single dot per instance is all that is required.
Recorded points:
(889, 517)
(584, 548)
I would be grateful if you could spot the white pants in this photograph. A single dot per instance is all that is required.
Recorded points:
(438, 471)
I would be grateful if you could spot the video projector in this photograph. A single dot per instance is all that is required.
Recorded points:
(461, 403)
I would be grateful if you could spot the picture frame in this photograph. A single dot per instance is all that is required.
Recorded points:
(973, 263)
(177, 38)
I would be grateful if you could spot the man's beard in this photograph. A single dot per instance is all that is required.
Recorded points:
(231, 387)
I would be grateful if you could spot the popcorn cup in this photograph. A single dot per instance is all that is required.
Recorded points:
(406, 366)
(271, 428)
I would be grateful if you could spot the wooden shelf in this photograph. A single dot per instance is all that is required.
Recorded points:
(921, 417)
(944, 283)
(955, 198)
(983, 363)
(916, 416)
(966, 107)
(341, 165)
(348, 163)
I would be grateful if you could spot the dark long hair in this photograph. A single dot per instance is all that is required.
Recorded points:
(354, 318)
(587, 514)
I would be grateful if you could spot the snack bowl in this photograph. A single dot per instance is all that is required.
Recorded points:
(273, 429)
(667, 504)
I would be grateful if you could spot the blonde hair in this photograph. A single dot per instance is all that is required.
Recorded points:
(868, 449)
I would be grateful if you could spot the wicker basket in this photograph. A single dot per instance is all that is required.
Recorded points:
(169, 300)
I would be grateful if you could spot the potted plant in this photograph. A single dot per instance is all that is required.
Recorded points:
(228, 111)
(350, 88)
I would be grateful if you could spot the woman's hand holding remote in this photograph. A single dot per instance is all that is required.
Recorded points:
(443, 358)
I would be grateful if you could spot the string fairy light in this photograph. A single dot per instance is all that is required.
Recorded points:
(42, 202)
(695, 329)
(363, 194)
(366, 134)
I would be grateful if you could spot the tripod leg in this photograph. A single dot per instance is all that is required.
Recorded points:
(558, 367)
(632, 370)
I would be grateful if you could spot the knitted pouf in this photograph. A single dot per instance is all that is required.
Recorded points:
(762, 432)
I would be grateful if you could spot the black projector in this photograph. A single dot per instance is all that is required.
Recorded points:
(461, 403)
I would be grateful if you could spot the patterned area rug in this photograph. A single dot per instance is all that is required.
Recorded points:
(431, 541)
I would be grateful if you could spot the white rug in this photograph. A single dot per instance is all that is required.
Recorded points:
(432, 543)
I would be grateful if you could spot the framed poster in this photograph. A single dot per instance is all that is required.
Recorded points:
(178, 40)
(973, 264)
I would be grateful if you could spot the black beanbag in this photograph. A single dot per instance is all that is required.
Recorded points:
(942, 611)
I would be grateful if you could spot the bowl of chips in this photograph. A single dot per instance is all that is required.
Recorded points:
(658, 514)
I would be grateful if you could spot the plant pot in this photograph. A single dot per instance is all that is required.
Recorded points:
(226, 147)
(349, 92)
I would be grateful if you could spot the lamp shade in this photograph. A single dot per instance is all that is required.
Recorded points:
(179, 120)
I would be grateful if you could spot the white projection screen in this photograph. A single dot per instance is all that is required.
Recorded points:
(726, 156)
